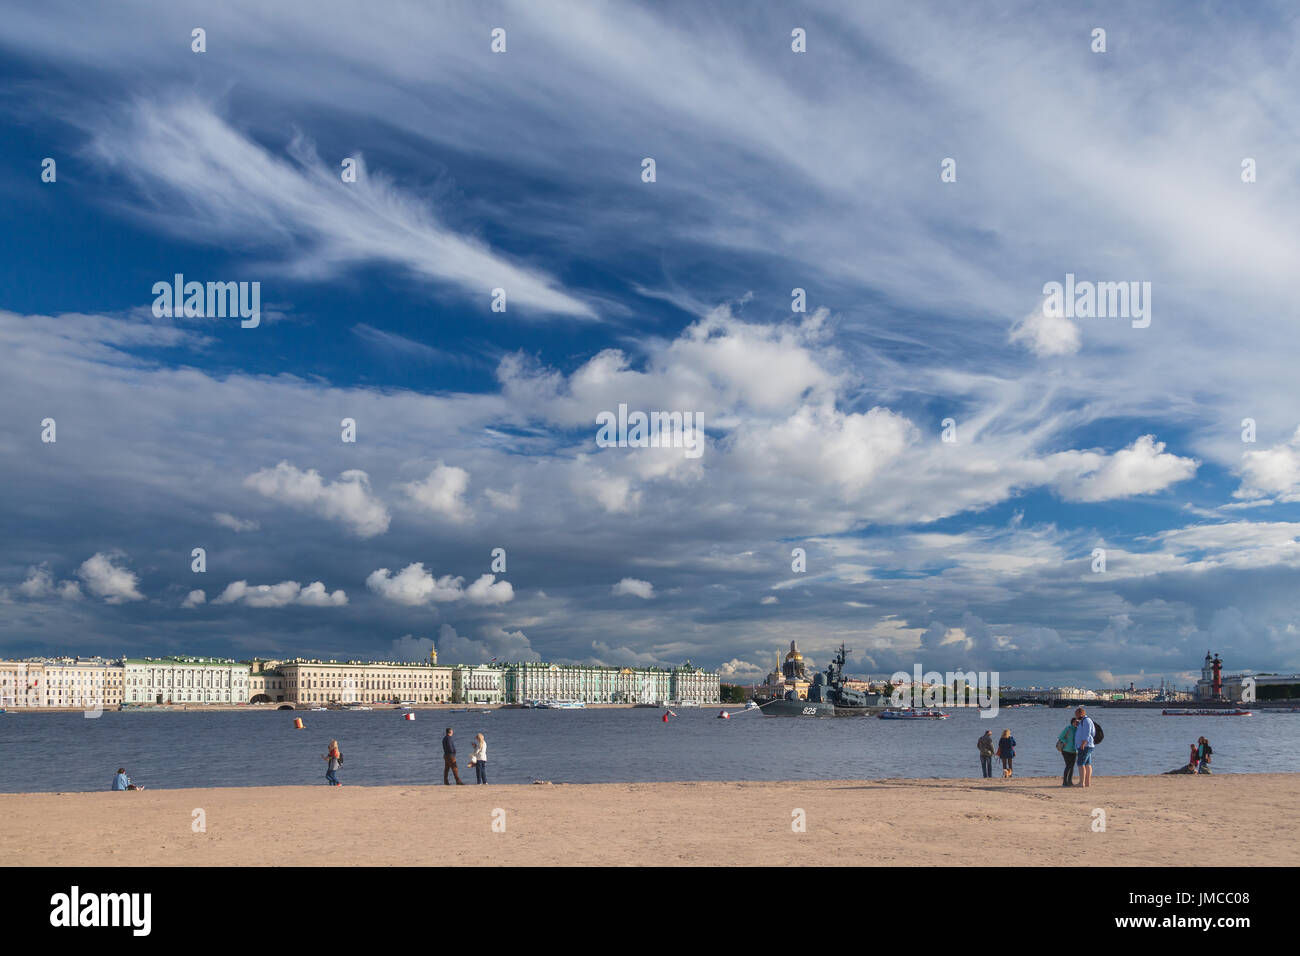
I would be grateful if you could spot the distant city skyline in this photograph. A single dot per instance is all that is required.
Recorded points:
(982, 347)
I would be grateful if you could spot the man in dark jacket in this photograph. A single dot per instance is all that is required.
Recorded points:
(449, 758)
(985, 745)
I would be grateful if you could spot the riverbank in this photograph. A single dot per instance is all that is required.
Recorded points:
(1225, 820)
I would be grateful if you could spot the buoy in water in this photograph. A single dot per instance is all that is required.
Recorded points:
(665, 718)
(408, 716)
(723, 715)
(297, 723)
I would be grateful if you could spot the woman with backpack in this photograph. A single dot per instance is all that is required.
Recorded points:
(1006, 752)
(333, 761)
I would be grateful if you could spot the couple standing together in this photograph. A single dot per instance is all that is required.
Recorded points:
(477, 760)
(1076, 744)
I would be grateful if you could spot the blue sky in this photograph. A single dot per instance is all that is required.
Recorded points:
(775, 170)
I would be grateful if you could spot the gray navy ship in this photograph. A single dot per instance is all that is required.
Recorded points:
(788, 691)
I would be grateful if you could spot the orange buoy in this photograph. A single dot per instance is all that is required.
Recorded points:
(665, 718)
(297, 723)
(408, 716)
(723, 715)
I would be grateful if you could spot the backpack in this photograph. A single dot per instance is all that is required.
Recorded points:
(1097, 735)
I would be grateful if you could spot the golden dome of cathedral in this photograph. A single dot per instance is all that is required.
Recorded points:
(794, 654)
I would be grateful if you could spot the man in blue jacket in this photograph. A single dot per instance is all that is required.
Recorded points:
(449, 758)
(1084, 745)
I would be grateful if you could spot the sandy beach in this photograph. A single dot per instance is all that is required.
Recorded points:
(1149, 821)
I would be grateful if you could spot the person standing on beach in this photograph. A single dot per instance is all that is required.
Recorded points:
(449, 759)
(1203, 751)
(1084, 743)
(1065, 744)
(985, 745)
(1006, 752)
(479, 759)
(333, 760)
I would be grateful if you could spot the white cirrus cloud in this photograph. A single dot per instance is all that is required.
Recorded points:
(105, 579)
(347, 500)
(634, 587)
(188, 161)
(280, 595)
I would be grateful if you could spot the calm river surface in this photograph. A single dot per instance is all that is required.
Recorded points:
(47, 752)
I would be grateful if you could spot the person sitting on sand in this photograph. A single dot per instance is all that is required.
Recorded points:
(1006, 752)
(123, 782)
(333, 760)
(1203, 751)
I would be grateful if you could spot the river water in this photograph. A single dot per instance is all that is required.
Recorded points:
(51, 752)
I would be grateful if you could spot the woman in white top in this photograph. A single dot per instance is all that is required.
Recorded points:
(479, 759)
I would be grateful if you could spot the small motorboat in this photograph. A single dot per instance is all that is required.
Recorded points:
(1206, 713)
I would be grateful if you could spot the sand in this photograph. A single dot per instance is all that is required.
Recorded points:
(1149, 821)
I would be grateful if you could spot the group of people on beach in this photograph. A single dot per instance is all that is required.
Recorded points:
(1200, 758)
(478, 760)
(1076, 744)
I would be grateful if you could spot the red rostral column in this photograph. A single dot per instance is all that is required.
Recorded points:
(1217, 664)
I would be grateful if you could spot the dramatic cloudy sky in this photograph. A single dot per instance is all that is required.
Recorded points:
(776, 170)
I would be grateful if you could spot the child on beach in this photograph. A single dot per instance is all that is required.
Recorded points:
(1006, 752)
(333, 760)
(1194, 759)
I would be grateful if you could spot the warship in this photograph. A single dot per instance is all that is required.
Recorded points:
(789, 693)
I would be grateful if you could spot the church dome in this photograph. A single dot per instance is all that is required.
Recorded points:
(794, 654)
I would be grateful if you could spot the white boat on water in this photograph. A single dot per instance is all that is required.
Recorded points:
(561, 705)
(687, 703)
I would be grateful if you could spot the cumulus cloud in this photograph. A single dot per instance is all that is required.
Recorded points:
(1046, 335)
(414, 586)
(634, 587)
(233, 523)
(1272, 472)
(1141, 468)
(105, 579)
(40, 583)
(347, 500)
(738, 668)
(487, 590)
(195, 598)
(442, 492)
(280, 595)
